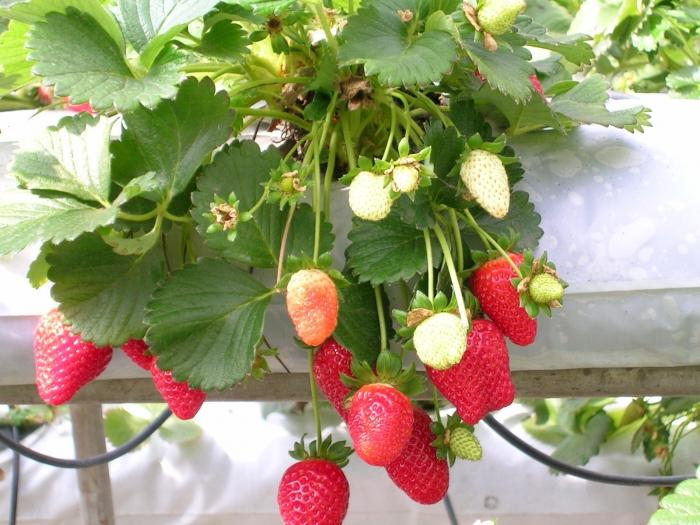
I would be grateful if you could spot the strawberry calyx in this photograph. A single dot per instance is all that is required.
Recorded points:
(450, 438)
(335, 452)
(540, 288)
(224, 216)
(287, 184)
(388, 371)
(422, 308)
(294, 264)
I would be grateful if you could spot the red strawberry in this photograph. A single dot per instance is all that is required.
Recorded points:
(499, 299)
(135, 349)
(536, 85)
(481, 381)
(380, 420)
(331, 360)
(85, 107)
(312, 304)
(64, 363)
(418, 471)
(184, 401)
(313, 492)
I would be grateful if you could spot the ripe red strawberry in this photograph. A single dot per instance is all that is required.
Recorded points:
(499, 299)
(85, 107)
(418, 471)
(331, 360)
(184, 401)
(536, 85)
(481, 381)
(313, 492)
(380, 420)
(64, 363)
(312, 304)
(135, 349)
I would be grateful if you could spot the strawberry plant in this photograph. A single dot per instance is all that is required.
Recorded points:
(167, 230)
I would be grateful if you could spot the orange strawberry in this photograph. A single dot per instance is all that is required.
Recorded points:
(312, 304)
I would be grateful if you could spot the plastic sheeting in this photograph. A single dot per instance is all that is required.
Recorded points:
(230, 476)
(620, 217)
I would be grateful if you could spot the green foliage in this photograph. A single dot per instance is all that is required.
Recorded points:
(682, 507)
(121, 425)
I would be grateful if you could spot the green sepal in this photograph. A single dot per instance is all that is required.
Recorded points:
(389, 371)
(443, 431)
(336, 452)
(294, 264)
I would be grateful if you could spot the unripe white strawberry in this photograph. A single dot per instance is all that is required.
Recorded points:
(369, 197)
(441, 340)
(405, 178)
(486, 180)
(497, 16)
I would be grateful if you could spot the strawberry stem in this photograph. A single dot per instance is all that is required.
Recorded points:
(482, 233)
(436, 404)
(314, 395)
(347, 138)
(458, 240)
(392, 131)
(456, 286)
(380, 314)
(330, 168)
(325, 25)
(283, 242)
(317, 192)
(429, 256)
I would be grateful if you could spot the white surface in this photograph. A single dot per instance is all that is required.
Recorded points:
(620, 217)
(231, 475)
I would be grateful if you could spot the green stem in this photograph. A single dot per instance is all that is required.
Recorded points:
(433, 108)
(380, 314)
(429, 256)
(392, 131)
(351, 7)
(235, 90)
(330, 168)
(347, 138)
(317, 193)
(458, 239)
(261, 200)
(177, 218)
(484, 234)
(282, 115)
(325, 25)
(436, 403)
(314, 397)
(283, 242)
(207, 67)
(299, 142)
(456, 286)
(134, 217)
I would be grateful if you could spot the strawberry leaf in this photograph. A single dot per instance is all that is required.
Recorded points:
(172, 139)
(15, 68)
(225, 40)
(358, 323)
(101, 293)
(574, 48)
(242, 168)
(578, 448)
(521, 217)
(386, 251)
(205, 323)
(682, 507)
(81, 59)
(71, 158)
(150, 24)
(26, 218)
(378, 38)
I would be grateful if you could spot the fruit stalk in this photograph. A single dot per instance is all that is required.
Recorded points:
(314, 395)
(380, 314)
(283, 242)
(392, 131)
(429, 256)
(456, 286)
(483, 234)
(458, 239)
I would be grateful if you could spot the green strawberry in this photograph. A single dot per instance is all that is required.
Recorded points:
(440, 340)
(497, 16)
(370, 197)
(545, 288)
(486, 181)
(464, 444)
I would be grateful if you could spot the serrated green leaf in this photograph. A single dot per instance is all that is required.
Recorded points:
(15, 67)
(205, 323)
(577, 449)
(172, 139)
(685, 82)
(585, 103)
(446, 146)
(572, 47)
(101, 293)
(503, 69)
(680, 508)
(225, 39)
(121, 425)
(76, 55)
(150, 24)
(377, 38)
(72, 158)
(358, 323)
(242, 168)
(39, 268)
(33, 11)
(264, 7)
(26, 218)
(521, 217)
(385, 251)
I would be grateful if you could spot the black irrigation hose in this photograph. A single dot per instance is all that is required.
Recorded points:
(118, 452)
(579, 472)
(450, 510)
(14, 494)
